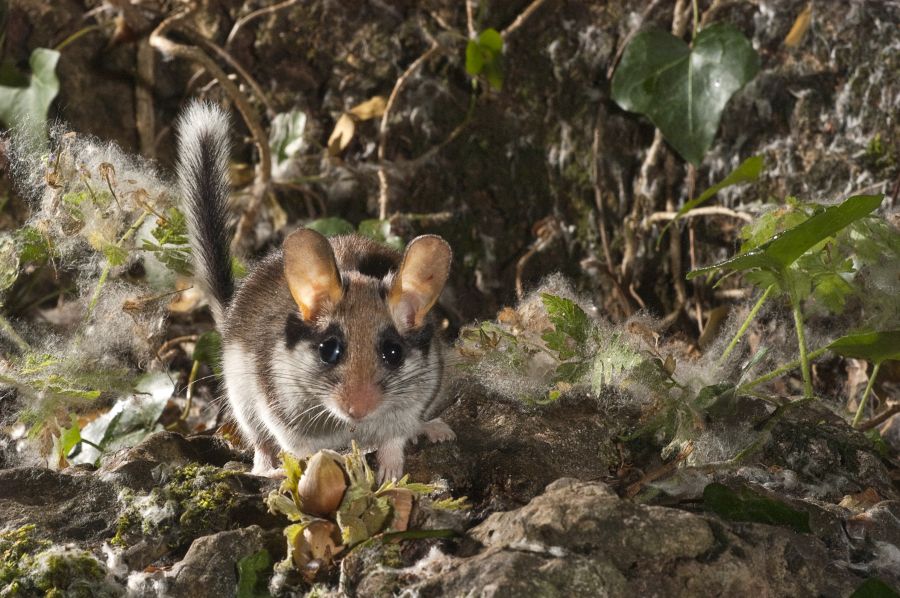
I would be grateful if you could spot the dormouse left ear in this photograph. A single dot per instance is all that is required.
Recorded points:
(419, 282)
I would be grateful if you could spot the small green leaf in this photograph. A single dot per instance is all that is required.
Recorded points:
(567, 317)
(27, 105)
(484, 56)
(252, 571)
(875, 347)
(746, 505)
(785, 248)
(747, 171)
(874, 588)
(69, 437)
(684, 90)
(331, 227)
(380, 230)
(474, 61)
(490, 39)
(208, 350)
(33, 246)
(115, 255)
(172, 248)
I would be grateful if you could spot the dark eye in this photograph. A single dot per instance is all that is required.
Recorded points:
(331, 350)
(392, 353)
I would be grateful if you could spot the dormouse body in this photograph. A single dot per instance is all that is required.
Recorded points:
(326, 340)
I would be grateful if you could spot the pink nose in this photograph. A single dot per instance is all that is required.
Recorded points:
(361, 400)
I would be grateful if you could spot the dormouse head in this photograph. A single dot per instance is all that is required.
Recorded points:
(363, 341)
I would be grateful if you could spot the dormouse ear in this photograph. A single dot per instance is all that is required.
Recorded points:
(311, 272)
(420, 280)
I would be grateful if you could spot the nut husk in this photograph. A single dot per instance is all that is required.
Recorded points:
(322, 485)
(401, 500)
(319, 541)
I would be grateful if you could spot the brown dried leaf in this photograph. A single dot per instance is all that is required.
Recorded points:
(342, 134)
(371, 108)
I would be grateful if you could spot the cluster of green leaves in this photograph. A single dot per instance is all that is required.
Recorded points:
(584, 356)
(810, 252)
(683, 89)
(171, 246)
(484, 56)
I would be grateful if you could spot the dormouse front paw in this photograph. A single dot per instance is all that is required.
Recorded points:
(390, 460)
(437, 431)
(265, 464)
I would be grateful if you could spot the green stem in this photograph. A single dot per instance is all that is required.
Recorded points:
(696, 19)
(804, 358)
(105, 274)
(745, 325)
(20, 342)
(782, 370)
(76, 36)
(865, 397)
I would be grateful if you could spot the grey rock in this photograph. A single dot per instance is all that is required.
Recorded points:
(210, 566)
(64, 507)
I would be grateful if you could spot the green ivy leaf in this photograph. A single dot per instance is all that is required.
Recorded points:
(331, 227)
(684, 90)
(785, 248)
(252, 571)
(27, 104)
(874, 588)
(875, 347)
(746, 505)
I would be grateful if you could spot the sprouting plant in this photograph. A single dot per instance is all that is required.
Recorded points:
(794, 263)
(483, 57)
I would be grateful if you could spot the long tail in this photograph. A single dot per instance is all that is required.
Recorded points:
(203, 151)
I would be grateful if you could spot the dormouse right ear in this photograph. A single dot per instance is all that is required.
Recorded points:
(419, 281)
(311, 272)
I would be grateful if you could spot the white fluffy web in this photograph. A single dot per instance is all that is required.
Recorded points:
(92, 208)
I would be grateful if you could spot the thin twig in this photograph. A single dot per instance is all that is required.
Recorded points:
(632, 489)
(878, 419)
(169, 344)
(521, 19)
(239, 24)
(704, 211)
(383, 187)
(470, 18)
(222, 53)
(166, 46)
(144, 115)
(601, 217)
